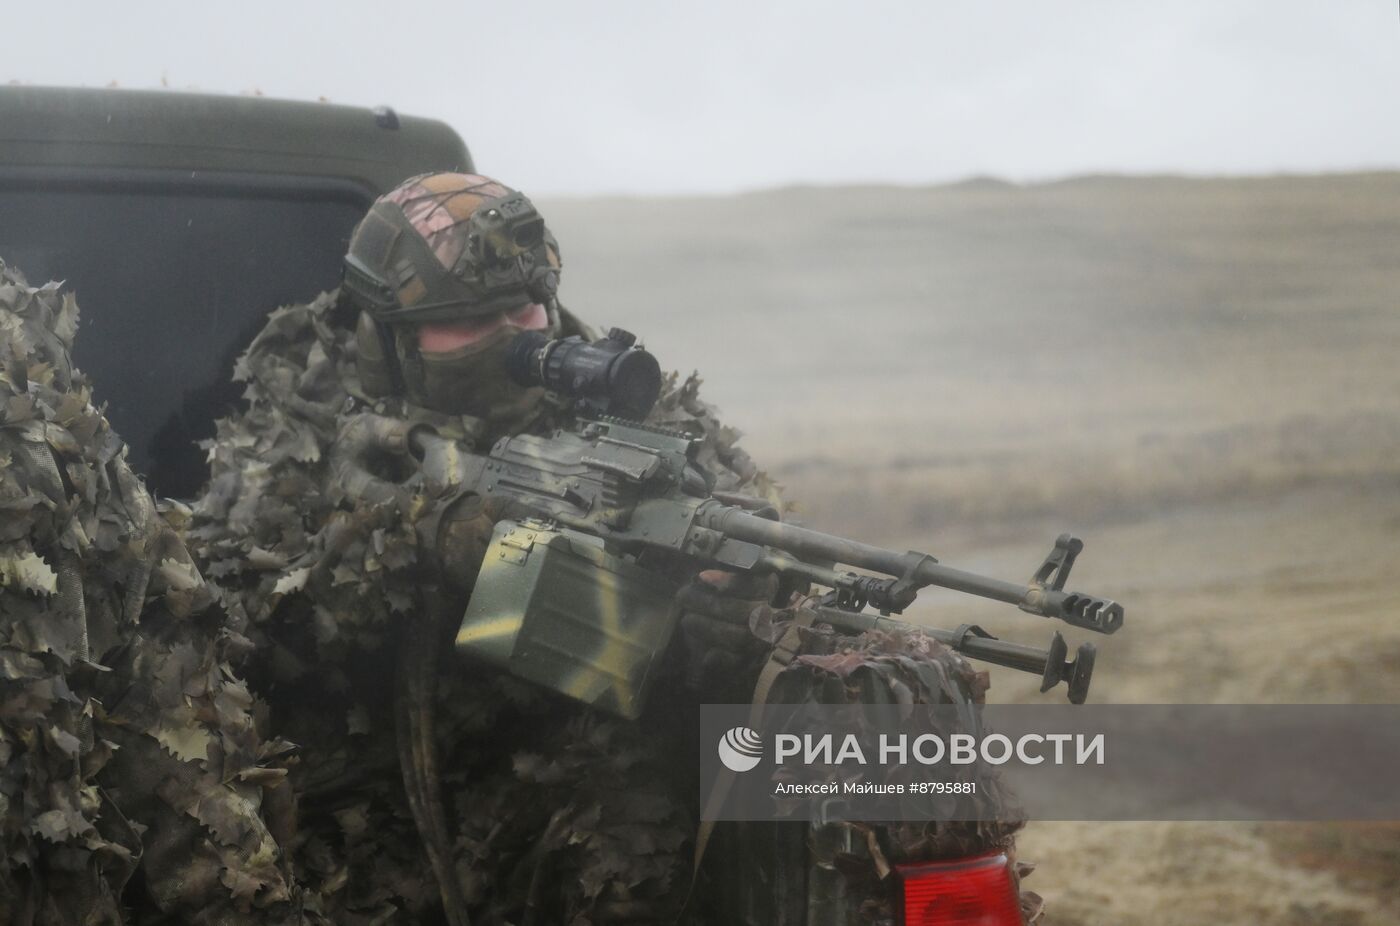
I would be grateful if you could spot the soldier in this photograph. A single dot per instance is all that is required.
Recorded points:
(427, 782)
(348, 573)
(125, 737)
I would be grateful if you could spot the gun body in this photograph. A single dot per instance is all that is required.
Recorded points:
(599, 500)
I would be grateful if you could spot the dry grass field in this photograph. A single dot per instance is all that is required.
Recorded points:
(1199, 377)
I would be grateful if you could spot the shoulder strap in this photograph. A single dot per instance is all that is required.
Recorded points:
(784, 652)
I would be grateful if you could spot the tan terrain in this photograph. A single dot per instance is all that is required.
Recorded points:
(1199, 377)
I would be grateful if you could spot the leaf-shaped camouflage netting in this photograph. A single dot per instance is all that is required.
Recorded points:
(125, 736)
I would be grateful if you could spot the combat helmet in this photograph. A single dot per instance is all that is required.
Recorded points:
(446, 248)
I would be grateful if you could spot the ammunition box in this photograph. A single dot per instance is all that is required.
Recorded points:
(556, 607)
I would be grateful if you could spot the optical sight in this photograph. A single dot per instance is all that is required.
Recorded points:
(609, 376)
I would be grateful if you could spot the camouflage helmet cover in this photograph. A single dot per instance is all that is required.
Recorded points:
(448, 247)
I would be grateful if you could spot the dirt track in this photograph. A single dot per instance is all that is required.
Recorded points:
(1198, 377)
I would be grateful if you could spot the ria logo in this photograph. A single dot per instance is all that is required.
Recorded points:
(740, 749)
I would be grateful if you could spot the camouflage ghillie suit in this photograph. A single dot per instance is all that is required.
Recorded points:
(125, 738)
(552, 812)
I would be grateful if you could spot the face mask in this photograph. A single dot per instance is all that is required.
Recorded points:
(472, 380)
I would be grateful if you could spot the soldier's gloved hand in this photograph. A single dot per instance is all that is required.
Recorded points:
(722, 654)
(458, 538)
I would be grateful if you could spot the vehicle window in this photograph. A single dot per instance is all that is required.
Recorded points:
(172, 288)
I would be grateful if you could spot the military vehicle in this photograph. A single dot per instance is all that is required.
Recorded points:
(180, 219)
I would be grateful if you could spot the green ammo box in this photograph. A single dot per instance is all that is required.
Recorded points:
(555, 607)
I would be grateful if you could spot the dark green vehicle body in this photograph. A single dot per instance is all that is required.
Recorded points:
(180, 220)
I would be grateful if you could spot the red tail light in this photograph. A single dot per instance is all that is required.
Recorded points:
(967, 892)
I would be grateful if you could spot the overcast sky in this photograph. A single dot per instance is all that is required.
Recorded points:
(716, 96)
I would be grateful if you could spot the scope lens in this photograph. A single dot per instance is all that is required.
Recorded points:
(615, 377)
(635, 383)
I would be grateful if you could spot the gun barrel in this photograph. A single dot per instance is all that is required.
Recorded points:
(1090, 612)
(806, 543)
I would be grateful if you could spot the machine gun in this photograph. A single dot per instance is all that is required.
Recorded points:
(578, 588)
